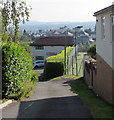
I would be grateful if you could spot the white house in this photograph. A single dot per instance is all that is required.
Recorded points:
(104, 84)
(48, 46)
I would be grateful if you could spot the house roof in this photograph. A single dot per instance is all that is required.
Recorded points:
(105, 10)
(54, 41)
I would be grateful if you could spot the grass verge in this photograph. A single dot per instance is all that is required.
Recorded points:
(98, 107)
(3, 100)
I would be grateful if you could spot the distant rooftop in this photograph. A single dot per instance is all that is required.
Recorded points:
(54, 41)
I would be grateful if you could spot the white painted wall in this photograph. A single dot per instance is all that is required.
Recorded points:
(104, 46)
(45, 51)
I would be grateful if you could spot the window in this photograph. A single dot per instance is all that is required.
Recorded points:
(112, 29)
(39, 47)
(103, 27)
(39, 58)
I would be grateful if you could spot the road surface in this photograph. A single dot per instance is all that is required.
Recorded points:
(51, 99)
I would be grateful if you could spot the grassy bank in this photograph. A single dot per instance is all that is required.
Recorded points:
(98, 107)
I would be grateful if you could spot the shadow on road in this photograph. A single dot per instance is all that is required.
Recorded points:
(41, 73)
(59, 107)
(41, 77)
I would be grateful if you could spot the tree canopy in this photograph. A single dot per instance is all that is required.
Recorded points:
(13, 12)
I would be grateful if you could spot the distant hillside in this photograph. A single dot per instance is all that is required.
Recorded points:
(34, 26)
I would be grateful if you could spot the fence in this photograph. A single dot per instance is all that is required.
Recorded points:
(72, 63)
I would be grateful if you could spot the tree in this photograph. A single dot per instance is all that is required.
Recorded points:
(92, 51)
(13, 12)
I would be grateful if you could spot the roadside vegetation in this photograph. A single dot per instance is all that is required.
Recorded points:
(18, 77)
(98, 107)
(54, 65)
(92, 51)
(17, 68)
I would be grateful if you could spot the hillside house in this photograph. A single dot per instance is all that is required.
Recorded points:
(48, 46)
(104, 83)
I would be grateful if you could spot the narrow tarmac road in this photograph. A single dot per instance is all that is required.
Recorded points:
(51, 99)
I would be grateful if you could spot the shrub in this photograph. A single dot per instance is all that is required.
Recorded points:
(92, 51)
(59, 57)
(17, 74)
(53, 70)
(56, 61)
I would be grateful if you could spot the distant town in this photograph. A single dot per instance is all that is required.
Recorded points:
(84, 36)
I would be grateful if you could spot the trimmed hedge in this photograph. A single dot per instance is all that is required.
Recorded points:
(54, 65)
(17, 76)
(53, 70)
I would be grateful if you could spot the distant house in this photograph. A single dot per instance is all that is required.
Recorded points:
(82, 39)
(93, 35)
(104, 84)
(48, 46)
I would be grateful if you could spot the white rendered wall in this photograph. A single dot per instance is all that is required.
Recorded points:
(45, 52)
(104, 46)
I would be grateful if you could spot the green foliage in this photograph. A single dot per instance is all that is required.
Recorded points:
(59, 57)
(51, 72)
(92, 51)
(13, 12)
(56, 61)
(25, 45)
(24, 38)
(84, 47)
(17, 75)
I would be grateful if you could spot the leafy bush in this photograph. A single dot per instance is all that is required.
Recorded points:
(51, 72)
(56, 61)
(17, 75)
(92, 51)
(25, 45)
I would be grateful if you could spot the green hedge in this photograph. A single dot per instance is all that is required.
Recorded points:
(59, 57)
(53, 70)
(17, 76)
(54, 65)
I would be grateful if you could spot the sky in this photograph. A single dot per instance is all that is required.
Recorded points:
(65, 10)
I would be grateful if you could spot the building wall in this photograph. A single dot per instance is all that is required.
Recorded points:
(103, 85)
(104, 46)
(47, 51)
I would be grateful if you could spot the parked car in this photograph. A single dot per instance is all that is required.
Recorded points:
(39, 64)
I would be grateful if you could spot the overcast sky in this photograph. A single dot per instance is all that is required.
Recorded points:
(65, 10)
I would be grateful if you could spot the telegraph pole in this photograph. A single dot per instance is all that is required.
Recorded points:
(65, 50)
(78, 27)
(76, 53)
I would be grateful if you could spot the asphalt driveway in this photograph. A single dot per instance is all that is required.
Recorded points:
(51, 99)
